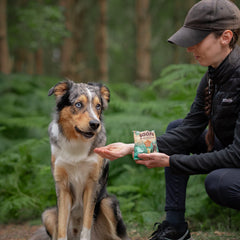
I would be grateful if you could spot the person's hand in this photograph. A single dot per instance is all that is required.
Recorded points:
(115, 150)
(153, 160)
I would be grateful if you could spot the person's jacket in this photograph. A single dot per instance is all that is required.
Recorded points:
(225, 117)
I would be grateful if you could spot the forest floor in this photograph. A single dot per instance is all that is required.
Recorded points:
(24, 231)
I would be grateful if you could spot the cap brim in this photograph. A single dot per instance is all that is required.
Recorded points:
(187, 37)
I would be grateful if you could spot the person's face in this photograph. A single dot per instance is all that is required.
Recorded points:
(211, 51)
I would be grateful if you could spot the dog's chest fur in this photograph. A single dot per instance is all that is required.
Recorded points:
(78, 175)
(75, 157)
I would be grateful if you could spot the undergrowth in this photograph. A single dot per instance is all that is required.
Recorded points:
(26, 184)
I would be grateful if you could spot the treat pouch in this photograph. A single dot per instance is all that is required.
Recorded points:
(144, 142)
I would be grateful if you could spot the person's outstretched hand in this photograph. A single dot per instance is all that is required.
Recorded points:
(115, 150)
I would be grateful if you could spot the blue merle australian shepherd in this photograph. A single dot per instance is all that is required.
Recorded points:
(85, 211)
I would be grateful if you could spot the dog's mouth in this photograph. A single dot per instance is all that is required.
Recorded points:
(85, 134)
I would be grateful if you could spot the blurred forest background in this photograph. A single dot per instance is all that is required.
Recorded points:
(93, 40)
(123, 44)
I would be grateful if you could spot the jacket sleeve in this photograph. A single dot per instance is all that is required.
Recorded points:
(228, 157)
(181, 139)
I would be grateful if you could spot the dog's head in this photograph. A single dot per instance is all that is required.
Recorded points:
(79, 107)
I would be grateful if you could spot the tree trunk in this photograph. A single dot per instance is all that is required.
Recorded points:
(178, 23)
(68, 43)
(73, 59)
(39, 62)
(101, 41)
(30, 64)
(38, 55)
(20, 58)
(190, 58)
(4, 53)
(143, 55)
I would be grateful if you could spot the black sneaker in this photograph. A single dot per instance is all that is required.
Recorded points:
(165, 231)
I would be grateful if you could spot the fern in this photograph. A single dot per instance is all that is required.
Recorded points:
(17, 186)
(179, 81)
(24, 148)
(27, 122)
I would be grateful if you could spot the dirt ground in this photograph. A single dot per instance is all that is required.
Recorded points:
(25, 231)
(16, 232)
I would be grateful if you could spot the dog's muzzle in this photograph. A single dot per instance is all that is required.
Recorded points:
(93, 126)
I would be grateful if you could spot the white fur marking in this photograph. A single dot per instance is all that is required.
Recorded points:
(55, 130)
(85, 234)
(91, 109)
(73, 152)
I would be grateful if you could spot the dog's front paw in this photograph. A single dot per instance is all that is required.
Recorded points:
(85, 234)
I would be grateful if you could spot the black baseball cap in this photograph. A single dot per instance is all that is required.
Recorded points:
(205, 17)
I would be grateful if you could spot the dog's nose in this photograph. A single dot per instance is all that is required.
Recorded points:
(94, 124)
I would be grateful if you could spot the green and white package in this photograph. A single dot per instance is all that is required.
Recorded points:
(144, 142)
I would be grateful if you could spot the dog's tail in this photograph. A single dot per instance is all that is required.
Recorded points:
(40, 234)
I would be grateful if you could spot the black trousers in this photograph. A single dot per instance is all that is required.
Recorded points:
(222, 185)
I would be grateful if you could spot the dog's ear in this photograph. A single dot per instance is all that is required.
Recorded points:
(60, 88)
(105, 95)
(104, 92)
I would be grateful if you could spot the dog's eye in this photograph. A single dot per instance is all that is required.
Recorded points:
(98, 107)
(78, 105)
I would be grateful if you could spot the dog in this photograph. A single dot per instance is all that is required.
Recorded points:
(84, 209)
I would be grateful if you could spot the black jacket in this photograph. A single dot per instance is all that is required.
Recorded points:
(225, 117)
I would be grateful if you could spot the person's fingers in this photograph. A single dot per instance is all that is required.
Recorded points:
(141, 162)
(106, 154)
(145, 163)
(98, 150)
(144, 156)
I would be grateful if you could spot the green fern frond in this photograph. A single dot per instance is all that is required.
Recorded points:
(124, 189)
(24, 122)
(179, 81)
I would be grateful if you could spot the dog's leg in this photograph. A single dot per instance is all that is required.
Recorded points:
(88, 209)
(89, 200)
(64, 201)
(64, 207)
(49, 219)
(109, 223)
